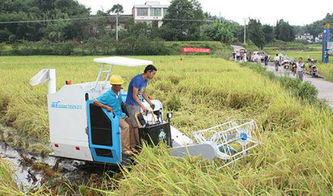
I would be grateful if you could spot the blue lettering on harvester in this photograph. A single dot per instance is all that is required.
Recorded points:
(66, 106)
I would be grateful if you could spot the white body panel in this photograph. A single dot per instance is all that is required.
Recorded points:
(68, 119)
(45, 75)
(179, 139)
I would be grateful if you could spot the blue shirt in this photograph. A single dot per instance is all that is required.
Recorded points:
(136, 82)
(109, 98)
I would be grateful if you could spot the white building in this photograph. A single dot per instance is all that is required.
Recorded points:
(151, 12)
(306, 37)
(319, 38)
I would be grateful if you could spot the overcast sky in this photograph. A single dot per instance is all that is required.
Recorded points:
(297, 12)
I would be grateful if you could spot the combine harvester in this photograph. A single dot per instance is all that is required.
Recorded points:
(82, 131)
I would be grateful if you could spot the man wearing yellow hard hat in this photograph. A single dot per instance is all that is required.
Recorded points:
(111, 101)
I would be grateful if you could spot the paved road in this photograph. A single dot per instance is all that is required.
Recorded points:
(325, 88)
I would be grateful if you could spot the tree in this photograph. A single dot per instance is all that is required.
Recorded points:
(117, 8)
(26, 10)
(220, 31)
(183, 21)
(256, 33)
(318, 26)
(269, 33)
(284, 31)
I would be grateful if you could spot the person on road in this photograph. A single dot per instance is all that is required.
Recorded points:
(300, 68)
(266, 59)
(244, 59)
(277, 62)
(111, 101)
(136, 94)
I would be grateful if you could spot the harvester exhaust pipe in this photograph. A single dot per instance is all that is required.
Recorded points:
(45, 75)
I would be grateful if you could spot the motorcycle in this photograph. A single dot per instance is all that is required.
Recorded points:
(314, 71)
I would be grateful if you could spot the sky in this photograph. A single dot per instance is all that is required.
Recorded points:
(296, 12)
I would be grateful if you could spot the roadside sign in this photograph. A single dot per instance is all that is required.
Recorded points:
(196, 50)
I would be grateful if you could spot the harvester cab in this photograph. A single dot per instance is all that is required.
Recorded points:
(83, 131)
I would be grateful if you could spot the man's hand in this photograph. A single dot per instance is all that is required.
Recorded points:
(109, 109)
(152, 105)
(144, 109)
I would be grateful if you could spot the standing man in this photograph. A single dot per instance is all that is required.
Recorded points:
(300, 68)
(135, 95)
(277, 62)
(266, 59)
(111, 101)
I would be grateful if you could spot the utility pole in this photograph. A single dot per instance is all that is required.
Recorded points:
(117, 23)
(245, 31)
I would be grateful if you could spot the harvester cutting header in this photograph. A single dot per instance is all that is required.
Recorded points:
(96, 121)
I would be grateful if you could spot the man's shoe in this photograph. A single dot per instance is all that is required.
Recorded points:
(128, 152)
(135, 150)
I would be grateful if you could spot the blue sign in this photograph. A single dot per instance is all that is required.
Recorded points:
(66, 106)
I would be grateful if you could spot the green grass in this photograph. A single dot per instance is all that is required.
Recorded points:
(294, 45)
(326, 69)
(296, 151)
(297, 53)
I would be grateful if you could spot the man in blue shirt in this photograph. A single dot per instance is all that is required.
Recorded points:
(111, 101)
(135, 95)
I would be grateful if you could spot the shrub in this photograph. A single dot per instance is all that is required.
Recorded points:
(141, 46)
(91, 45)
(304, 90)
(43, 47)
(63, 48)
(106, 45)
(2, 47)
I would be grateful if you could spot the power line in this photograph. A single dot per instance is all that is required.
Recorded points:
(174, 19)
(51, 20)
(88, 18)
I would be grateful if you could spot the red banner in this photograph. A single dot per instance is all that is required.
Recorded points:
(196, 50)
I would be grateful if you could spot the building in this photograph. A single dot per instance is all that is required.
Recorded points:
(305, 37)
(319, 38)
(123, 19)
(111, 26)
(151, 12)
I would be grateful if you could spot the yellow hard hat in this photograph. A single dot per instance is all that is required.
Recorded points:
(116, 79)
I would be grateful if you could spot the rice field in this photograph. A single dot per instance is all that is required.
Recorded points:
(7, 183)
(296, 152)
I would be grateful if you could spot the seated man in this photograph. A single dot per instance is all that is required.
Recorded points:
(111, 101)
